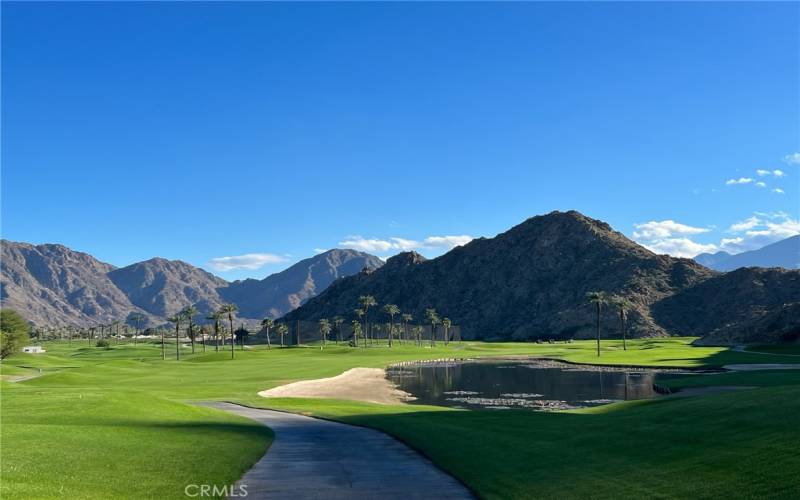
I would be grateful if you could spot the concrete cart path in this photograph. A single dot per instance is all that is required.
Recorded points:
(318, 459)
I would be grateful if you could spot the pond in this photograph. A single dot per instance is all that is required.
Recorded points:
(529, 384)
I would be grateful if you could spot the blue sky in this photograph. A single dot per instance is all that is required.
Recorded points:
(274, 130)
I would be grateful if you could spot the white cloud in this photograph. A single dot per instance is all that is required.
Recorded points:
(778, 173)
(670, 237)
(761, 184)
(778, 191)
(792, 159)
(761, 172)
(447, 241)
(759, 230)
(404, 244)
(756, 231)
(664, 229)
(246, 261)
(744, 225)
(679, 247)
(740, 180)
(318, 251)
(366, 245)
(376, 245)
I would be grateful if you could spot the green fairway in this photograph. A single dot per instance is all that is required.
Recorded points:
(118, 423)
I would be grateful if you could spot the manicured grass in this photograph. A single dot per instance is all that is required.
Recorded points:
(734, 445)
(793, 348)
(764, 378)
(81, 443)
(129, 413)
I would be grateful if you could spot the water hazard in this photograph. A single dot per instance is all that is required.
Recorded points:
(530, 384)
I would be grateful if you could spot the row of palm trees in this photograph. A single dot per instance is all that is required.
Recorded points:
(363, 331)
(366, 302)
(623, 305)
(227, 311)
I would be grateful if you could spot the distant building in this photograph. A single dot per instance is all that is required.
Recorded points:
(33, 349)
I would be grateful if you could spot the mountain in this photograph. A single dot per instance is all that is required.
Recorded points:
(51, 284)
(531, 282)
(784, 253)
(528, 282)
(742, 306)
(712, 260)
(163, 287)
(281, 292)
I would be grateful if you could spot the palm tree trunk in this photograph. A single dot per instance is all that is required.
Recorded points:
(598, 329)
(177, 341)
(191, 335)
(624, 330)
(233, 338)
(216, 334)
(163, 354)
(268, 344)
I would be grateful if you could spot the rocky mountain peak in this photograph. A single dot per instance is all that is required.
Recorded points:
(404, 259)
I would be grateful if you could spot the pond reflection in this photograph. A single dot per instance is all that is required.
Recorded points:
(530, 384)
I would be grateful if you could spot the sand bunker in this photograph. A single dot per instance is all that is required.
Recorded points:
(359, 384)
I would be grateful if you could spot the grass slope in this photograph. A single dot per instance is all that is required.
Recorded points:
(117, 423)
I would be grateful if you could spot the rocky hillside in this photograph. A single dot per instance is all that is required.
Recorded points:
(528, 282)
(742, 306)
(163, 287)
(51, 284)
(281, 292)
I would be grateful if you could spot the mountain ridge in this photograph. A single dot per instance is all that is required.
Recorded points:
(784, 253)
(53, 284)
(531, 282)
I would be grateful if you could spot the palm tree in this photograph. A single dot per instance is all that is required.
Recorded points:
(366, 302)
(243, 333)
(163, 353)
(446, 325)
(115, 326)
(177, 320)
(356, 331)
(266, 324)
(623, 305)
(189, 312)
(281, 329)
(337, 322)
(433, 319)
(324, 329)
(406, 317)
(229, 310)
(215, 317)
(391, 310)
(417, 330)
(597, 298)
(360, 314)
(137, 318)
(204, 335)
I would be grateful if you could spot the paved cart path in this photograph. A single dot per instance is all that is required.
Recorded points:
(318, 459)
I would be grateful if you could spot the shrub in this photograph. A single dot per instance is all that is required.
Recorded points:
(103, 343)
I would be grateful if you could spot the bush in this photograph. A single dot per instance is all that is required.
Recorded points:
(103, 343)
(13, 332)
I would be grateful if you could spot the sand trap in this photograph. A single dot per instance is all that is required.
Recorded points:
(359, 384)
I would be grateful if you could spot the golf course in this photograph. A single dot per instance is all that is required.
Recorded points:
(81, 421)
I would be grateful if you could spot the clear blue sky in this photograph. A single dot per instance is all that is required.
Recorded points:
(201, 131)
